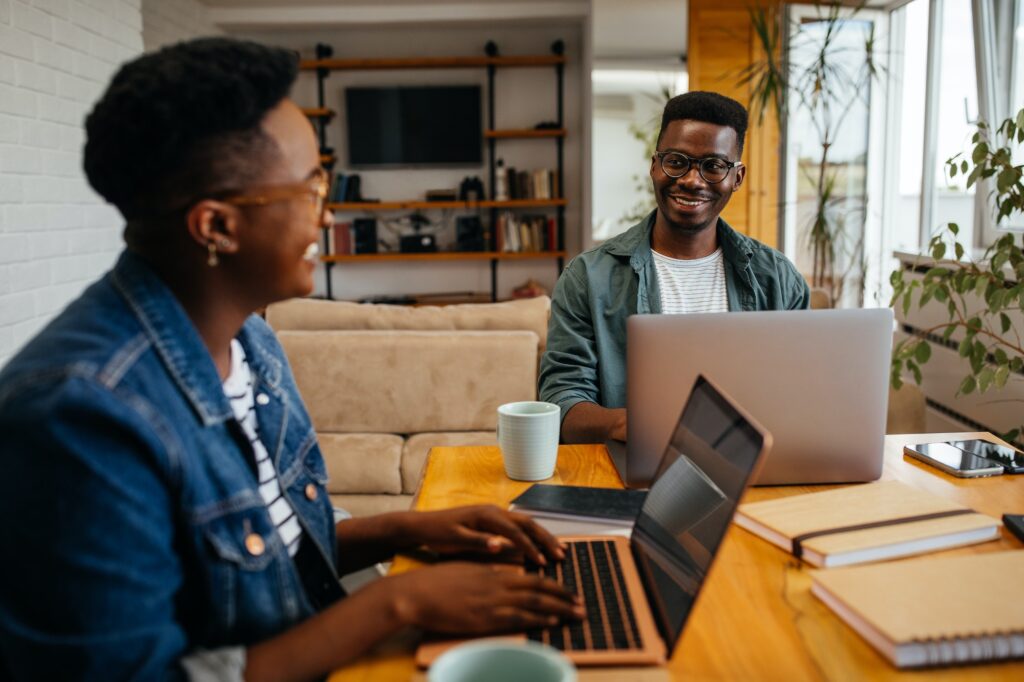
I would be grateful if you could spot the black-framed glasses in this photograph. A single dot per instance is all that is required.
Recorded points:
(711, 168)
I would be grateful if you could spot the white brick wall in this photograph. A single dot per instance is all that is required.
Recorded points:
(170, 21)
(56, 235)
(56, 58)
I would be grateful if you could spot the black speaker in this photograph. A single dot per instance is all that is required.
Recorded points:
(469, 234)
(364, 235)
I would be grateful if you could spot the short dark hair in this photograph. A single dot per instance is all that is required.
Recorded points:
(183, 121)
(708, 107)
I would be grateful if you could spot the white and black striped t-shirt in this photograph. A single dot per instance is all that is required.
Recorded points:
(238, 389)
(691, 286)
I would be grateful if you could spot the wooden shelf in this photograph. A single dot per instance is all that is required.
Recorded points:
(319, 112)
(427, 205)
(441, 256)
(430, 62)
(525, 133)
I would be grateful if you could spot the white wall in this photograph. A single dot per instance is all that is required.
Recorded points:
(523, 97)
(56, 235)
(170, 21)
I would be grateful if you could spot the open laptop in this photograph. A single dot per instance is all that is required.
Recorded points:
(639, 592)
(817, 379)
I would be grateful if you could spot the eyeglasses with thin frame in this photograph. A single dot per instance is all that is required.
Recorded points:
(316, 188)
(711, 168)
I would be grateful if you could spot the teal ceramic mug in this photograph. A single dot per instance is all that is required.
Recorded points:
(502, 661)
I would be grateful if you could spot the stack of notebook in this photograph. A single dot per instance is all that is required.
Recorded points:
(935, 611)
(862, 523)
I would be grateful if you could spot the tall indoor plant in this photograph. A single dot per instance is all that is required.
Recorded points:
(987, 338)
(824, 89)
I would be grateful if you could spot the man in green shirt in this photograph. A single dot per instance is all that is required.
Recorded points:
(682, 258)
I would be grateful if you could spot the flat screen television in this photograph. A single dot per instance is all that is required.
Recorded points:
(421, 126)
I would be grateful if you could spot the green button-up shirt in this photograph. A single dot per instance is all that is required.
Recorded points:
(585, 359)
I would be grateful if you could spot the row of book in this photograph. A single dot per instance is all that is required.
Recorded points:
(537, 184)
(345, 187)
(525, 233)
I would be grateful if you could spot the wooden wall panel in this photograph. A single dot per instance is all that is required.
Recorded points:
(721, 44)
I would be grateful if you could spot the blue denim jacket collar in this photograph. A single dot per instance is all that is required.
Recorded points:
(178, 342)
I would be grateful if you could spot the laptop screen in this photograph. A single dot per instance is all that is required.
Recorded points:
(701, 477)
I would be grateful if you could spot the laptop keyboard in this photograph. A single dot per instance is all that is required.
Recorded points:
(591, 569)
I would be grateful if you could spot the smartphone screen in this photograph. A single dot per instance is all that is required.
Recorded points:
(1008, 457)
(954, 458)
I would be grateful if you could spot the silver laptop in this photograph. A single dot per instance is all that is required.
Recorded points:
(816, 379)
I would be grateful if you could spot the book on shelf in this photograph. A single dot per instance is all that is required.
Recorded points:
(523, 233)
(865, 522)
(932, 611)
(342, 239)
(568, 509)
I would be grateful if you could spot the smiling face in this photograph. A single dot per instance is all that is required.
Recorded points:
(277, 251)
(688, 205)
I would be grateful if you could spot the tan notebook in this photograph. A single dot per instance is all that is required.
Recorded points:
(934, 611)
(867, 522)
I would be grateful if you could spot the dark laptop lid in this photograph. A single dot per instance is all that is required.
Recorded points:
(703, 473)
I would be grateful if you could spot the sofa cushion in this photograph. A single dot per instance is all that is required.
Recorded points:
(410, 382)
(306, 314)
(414, 454)
(362, 462)
(369, 505)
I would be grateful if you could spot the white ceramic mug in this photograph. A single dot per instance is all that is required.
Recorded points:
(528, 436)
(502, 661)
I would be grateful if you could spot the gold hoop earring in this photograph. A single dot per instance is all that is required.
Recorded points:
(211, 258)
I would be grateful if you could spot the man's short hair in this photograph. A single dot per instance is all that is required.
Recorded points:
(185, 121)
(708, 107)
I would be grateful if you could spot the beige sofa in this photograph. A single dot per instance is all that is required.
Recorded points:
(384, 384)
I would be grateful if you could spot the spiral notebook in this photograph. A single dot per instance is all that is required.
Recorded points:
(933, 611)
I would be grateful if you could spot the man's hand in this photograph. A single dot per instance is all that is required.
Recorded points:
(482, 528)
(463, 598)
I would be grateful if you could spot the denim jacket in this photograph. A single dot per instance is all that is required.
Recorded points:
(132, 527)
(585, 360)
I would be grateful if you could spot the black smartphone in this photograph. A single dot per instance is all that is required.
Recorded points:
(953, 461)
(1011, 459)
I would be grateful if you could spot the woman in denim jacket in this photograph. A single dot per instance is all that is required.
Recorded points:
(162, 503)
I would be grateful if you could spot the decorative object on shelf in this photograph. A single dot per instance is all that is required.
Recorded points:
(471, 189)
(989, 339)
(531, 289)
(501, 182)
(469, 234)
(364, 235)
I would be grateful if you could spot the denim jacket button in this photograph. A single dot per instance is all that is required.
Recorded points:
(262, 399)
(310, 492)
(254, 544)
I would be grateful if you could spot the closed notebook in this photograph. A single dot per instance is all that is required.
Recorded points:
(866, 522)
(577, 502)
(933, 611)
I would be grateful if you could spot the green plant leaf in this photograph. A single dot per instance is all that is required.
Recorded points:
(978, 357)
(1001, 376)
(980, 151)
(938, 251)
(941, 293)
(964, 349)
(1001, 357)
(922, 352)
(1016, 364)
(967, 386)
(985, 377)
(948, 332)
(1011, 435)
(915, 370)
(1004, 322)
(959, 250)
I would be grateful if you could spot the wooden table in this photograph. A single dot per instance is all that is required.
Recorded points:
(756, 618)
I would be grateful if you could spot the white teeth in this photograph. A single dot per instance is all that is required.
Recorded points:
(687, 202)
(311, 252)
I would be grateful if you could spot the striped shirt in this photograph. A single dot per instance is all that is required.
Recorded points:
(238, 389)
(691, 286)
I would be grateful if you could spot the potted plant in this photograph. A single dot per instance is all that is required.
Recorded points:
(989, 342)
(823, 84)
